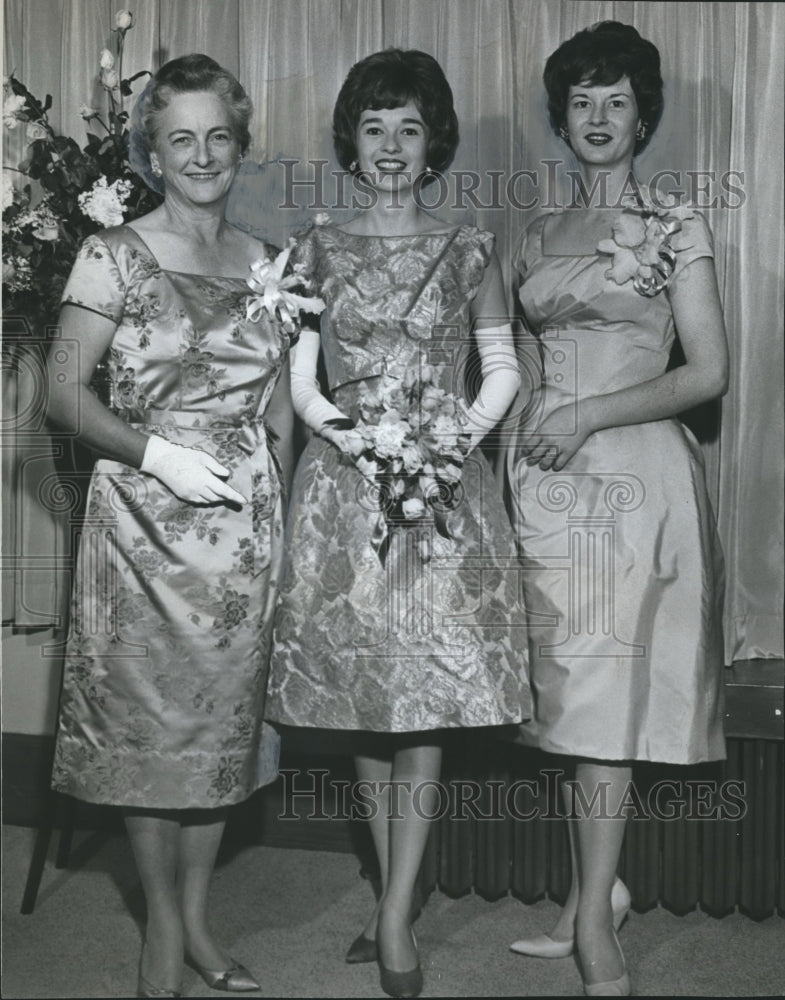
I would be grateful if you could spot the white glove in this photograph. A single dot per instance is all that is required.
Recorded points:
(191, 474)
(309, 403)
(500, 380)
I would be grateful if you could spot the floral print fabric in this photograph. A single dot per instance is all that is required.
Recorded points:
(166, 662)
(405, 643)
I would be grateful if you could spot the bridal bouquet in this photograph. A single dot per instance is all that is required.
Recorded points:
(411, 442)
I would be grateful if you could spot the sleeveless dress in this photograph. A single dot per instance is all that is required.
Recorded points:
(166, 659)
(623, 571)
(401, 644)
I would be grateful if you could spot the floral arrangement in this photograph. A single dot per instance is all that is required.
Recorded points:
(641, 244)
(66, 192)
(280, 294)
(411, 442)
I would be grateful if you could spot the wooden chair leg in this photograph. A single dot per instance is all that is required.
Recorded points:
(41, 847)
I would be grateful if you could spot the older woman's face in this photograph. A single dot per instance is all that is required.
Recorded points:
(602, 121)
(196, 147)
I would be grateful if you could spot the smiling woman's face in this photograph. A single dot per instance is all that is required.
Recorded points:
(602, 122)
(196, 148)
(392, 144)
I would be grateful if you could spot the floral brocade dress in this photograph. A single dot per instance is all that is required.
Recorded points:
(404, 643)
(623, 569)
(167, 653)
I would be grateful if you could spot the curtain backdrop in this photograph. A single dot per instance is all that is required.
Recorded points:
(723, 71)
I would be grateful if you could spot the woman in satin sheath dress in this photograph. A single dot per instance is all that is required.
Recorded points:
(623, 572)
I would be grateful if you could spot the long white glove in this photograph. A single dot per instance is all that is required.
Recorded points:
(500, 380)
(191, 474)
(309, 403)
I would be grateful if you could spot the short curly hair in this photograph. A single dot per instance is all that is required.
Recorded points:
(187, 74)
(600, 56)
(390, 79)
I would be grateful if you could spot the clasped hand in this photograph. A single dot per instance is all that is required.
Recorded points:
(557, 438)
(191, 474)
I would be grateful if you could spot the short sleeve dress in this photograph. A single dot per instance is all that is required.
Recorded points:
(403, 644)
(167, 652)
(623, 570)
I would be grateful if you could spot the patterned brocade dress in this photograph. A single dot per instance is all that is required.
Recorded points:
(400, 644)
(166, 660)
(623, 569)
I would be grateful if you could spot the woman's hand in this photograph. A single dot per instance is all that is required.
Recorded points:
(191, 474)
(557, 438)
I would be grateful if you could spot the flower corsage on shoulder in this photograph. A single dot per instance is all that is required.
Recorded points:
(281, 290)
(641, 246)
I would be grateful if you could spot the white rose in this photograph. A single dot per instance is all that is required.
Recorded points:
(390, 436)
(86, 112)
(12, 105)
(413, 508)
(35, 130)
(9, 272)
(107, 59)
(104, 203)
(8, 190)
(124, 19)
(110, 79)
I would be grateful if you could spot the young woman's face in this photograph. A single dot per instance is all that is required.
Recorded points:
(392, 146)
(196, 148)
(602, 122)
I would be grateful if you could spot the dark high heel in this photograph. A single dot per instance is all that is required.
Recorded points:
(401, 984)
(235, 979)
(362, 949)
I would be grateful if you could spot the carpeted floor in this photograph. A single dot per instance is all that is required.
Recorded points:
(290, 915)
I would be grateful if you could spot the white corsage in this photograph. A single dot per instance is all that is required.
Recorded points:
(282, 297)
(641, 244)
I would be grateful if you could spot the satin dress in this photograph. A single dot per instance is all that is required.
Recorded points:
(167, 654)
(623, 572)
(397, 644)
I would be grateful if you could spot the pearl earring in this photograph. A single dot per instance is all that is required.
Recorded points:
(353, 166)
(641, 131)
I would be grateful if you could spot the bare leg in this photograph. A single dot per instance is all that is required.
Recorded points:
(599, 845)
(155, 843)
(377, 770)
(200, 838)
(413, 765)
(564, 928)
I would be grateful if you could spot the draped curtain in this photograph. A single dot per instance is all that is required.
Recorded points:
(721, 139)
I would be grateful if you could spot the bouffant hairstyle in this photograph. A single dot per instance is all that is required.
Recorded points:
(187, 74)
(599, 56)
(391, 79)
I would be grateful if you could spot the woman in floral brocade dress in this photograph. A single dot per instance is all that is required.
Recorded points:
(612, 512)
(397, 632)
(166, 665)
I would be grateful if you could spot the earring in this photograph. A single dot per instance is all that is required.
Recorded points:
(156, 168)
(564, 134)
(353, 166)
(641, 131)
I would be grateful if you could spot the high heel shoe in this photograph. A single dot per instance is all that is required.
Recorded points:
(235, 979)
(544, 946)
(362, 949)
(146, 989)
(401, 984)
(615, 987)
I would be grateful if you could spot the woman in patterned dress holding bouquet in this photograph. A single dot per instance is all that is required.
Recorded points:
(399, 615)
(166, 665)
